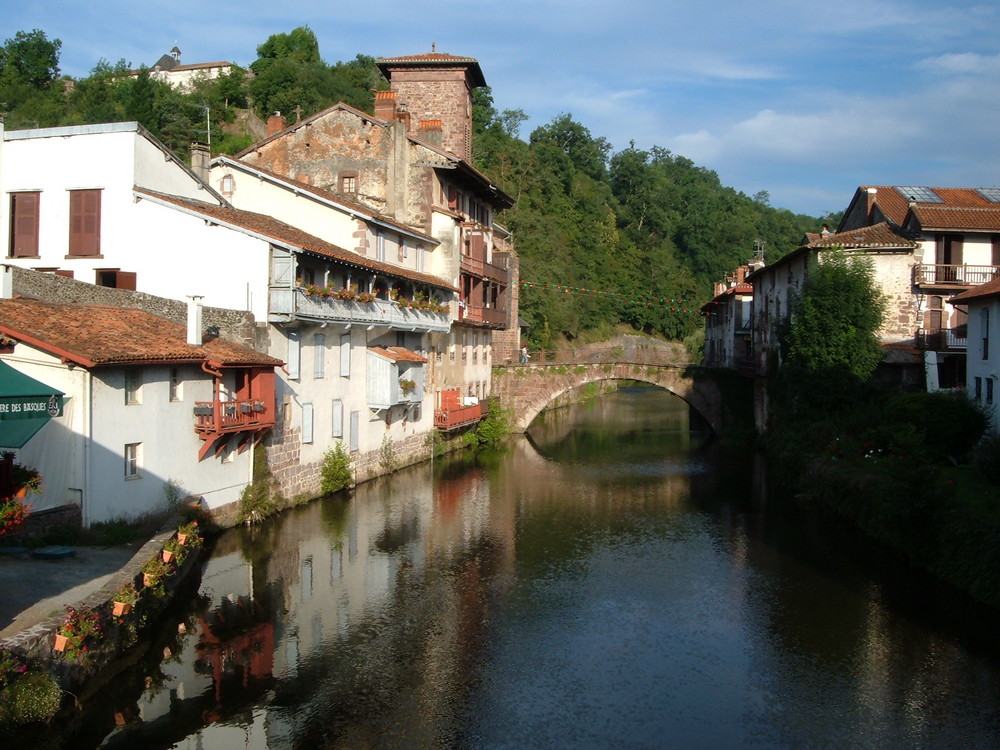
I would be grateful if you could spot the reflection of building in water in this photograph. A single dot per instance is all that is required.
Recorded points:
(236, 640)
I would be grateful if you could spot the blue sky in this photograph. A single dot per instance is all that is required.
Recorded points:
(806, 99)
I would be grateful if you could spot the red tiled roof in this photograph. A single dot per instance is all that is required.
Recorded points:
(984, 291)
(94, 335)
(271, 228)
(976, 218)
(397, 353)
(881, 235)
(895, 206)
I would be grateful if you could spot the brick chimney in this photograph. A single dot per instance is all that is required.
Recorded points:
(870, 201)
(431, 131)
(385, 105)
(275, 124)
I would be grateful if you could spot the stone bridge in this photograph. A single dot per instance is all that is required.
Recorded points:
(527, 389)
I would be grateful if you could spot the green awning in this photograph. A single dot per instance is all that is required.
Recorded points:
(26, 405)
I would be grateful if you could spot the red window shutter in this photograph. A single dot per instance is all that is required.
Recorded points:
(452, 197)
(24, 224)
(125, 280)
(85, 222)
(477, 245)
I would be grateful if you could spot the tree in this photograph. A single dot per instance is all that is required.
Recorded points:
(834, 322)
(30, 58)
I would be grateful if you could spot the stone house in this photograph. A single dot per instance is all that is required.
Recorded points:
(727, 323)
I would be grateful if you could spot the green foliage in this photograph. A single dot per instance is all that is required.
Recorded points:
(945, 425)
(986, 457)
(335, 474)
(387, 455)
(34, 696)
(836, 318)
(260, 499)
(29, 59)
(492, 431)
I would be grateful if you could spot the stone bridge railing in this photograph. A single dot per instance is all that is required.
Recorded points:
(527, 389)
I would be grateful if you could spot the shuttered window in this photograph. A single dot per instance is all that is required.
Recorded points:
(293, 355)
(338, 418)
(355, 440)
(307, 423)
(319, 356)
(345, 355)
(84, 222)
(24, 224)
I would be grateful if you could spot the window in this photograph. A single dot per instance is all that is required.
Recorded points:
(228, 185)
(345, 355)
(979, 388)
(984, 322)
(379, 246)
(989, 390)
(133, 457)
(293, 355)
(175, 384)
(84, 223)
(133, 386)
(24, 224)
(307, 423)
(349, 182)
(115, 279)
(355, 428)
(338, 419)
(319, 356)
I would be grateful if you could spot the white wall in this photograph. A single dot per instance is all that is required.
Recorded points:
(976, 366)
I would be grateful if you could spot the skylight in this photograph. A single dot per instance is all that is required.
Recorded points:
(919, 194)
(990, 194)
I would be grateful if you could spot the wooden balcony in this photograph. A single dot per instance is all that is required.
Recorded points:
(286, 304)
(953, 276)
(485, 316)
(943, 340)
(483, 269)
(217, 421)
(460, 416)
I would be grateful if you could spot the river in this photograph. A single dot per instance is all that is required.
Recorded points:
(611, 582)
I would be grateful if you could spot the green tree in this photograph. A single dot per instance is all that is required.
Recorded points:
(835, 320)
(30, 58)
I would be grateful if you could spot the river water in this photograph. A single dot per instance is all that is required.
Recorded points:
(611, 582)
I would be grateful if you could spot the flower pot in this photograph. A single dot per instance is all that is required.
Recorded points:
(167, 555)
(121, 608)
(23, 492)
(61, 643)
(148, 580)
(182, 538)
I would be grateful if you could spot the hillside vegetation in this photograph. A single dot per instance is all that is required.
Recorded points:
(606, 239)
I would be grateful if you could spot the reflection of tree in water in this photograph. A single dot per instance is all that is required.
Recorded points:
(400, 677)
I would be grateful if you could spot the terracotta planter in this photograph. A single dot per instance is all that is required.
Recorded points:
(167, 555)
(121, 608)
(182, 538)
(23, 492)
(61, 643)
(148, 580)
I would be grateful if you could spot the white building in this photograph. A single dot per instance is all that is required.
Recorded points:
(150, 411)
(983, 363)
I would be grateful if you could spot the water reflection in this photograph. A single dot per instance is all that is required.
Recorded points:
(606, 584)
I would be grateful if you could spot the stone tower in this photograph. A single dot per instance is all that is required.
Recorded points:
(436, 86)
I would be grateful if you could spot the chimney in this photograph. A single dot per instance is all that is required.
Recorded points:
(385, 105)
(194, 320)
(870, 200)
(275, 124)
(200, 156)
(431, 131)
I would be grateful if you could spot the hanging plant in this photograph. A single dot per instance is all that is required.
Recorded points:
(27, 478)
(407, 386)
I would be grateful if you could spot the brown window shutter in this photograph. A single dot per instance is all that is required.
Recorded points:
(125, 280)
(24, 224)
(85, 222)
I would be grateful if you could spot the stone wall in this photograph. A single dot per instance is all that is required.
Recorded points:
(233, 325)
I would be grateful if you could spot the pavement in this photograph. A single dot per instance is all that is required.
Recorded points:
(32, 590)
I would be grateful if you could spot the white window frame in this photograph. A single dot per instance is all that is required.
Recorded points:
(133, 386)
(133, 460)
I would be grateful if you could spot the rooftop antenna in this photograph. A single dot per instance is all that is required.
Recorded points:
(433, 47)
(758, 250)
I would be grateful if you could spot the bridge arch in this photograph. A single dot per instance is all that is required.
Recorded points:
(527, 389)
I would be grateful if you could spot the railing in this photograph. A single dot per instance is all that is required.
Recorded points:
(944, 339)
(954, 275)
(598, 354)
(449, 419)
(284, 302)
(484, 269)
(485, 315)
(231, 416)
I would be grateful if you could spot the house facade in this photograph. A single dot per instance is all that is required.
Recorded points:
(983, 365)
(399, 164)
(727, 323)
(153, 410)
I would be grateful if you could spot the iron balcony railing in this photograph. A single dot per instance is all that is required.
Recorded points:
(285, 303)
(954, 275)
(944, 339)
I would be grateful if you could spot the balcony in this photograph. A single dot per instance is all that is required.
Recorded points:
(953, 276)
(943, 340)
(486, 316)
(483, 269)
(453, 417)
(217, 421)
(286, 304)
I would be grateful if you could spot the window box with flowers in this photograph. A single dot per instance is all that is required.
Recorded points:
(125, 599)
(407, 386)
(189, 534)
(79, 630)
(153, 572)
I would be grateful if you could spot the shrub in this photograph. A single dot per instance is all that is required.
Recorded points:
(948, 422)
(986, 457)
(387, 455)
(335, 474)
(33, 697)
